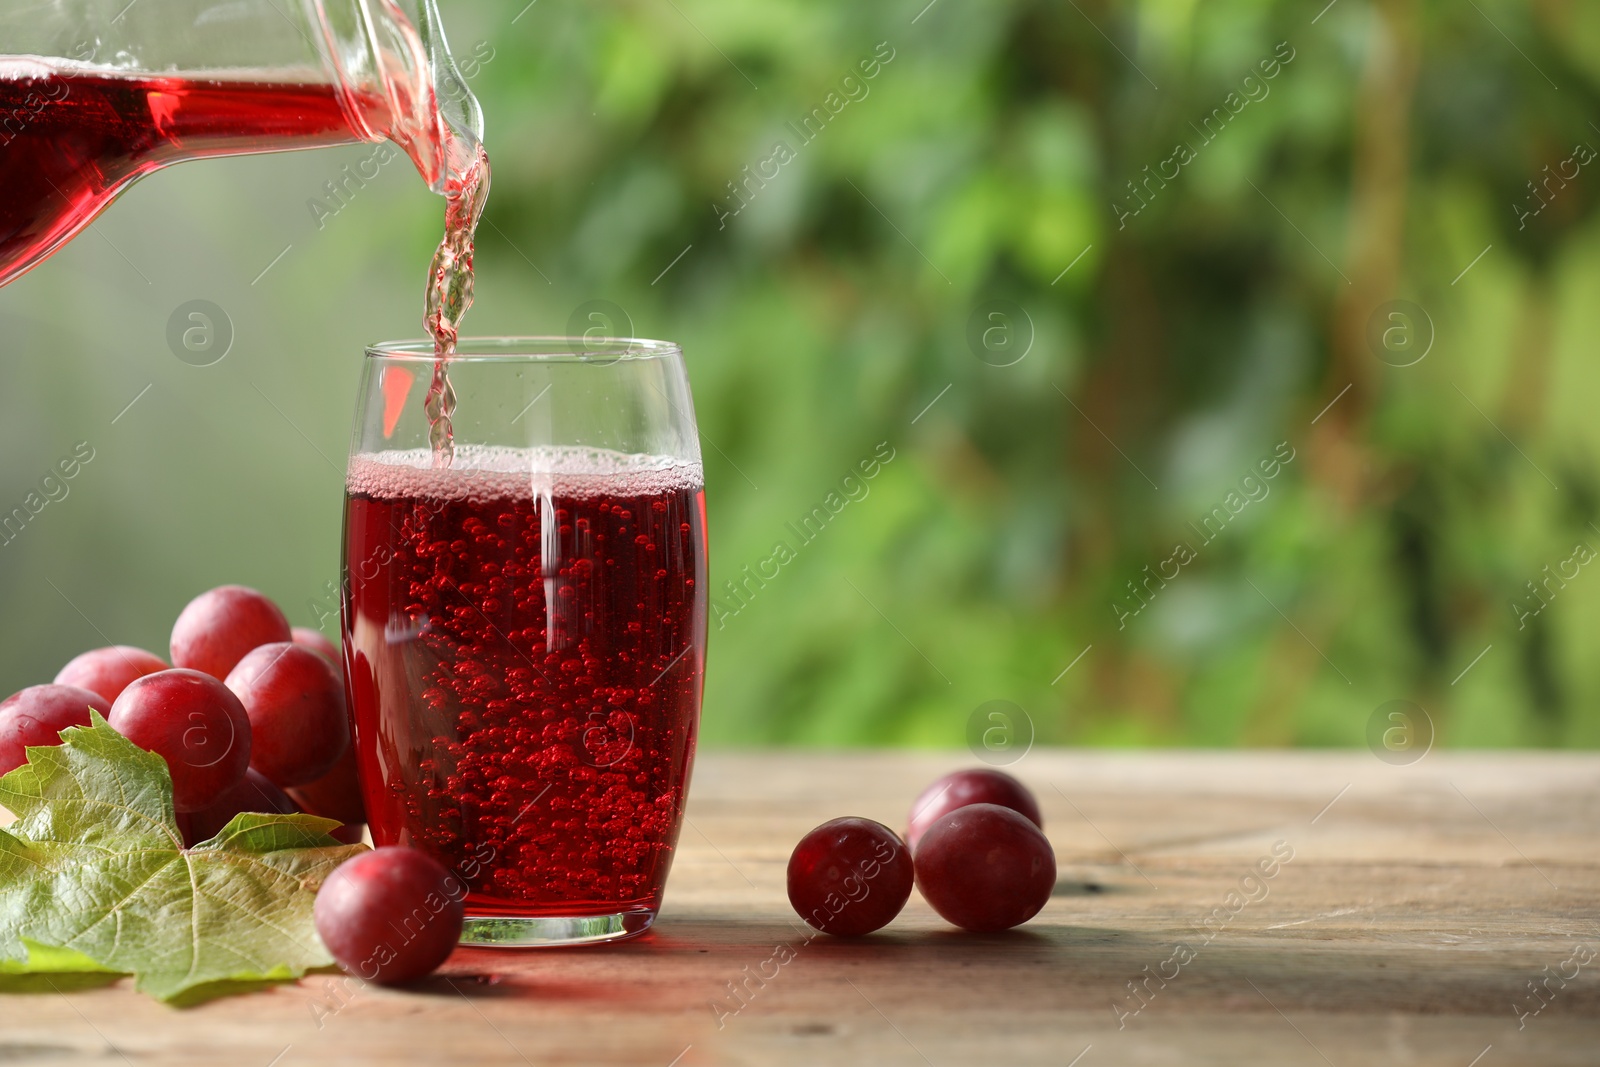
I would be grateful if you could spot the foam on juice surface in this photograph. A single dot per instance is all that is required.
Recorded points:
(484, 472)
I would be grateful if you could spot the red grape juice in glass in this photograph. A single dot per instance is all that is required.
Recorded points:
(525, 635)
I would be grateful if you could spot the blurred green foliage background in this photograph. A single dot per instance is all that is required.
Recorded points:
(987, 161)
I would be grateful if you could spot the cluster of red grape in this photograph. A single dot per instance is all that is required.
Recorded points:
(249, 717)
(974, 846)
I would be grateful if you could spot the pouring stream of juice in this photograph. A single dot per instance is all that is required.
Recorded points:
(450, 276)
(450, 283)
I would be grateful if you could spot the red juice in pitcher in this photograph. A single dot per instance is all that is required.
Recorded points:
(526, 654)
(72, 138)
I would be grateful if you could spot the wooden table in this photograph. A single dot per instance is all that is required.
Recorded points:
(1419, 904)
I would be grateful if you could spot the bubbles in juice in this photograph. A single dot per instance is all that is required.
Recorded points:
(526, 655)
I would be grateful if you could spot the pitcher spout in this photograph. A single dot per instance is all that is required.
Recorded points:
(401, 83)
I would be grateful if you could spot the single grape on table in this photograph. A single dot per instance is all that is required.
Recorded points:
(221, 625)
(38, 714)
(974, 786)
(985, 868)
(108, 671)
(195, 723)
(391, 915)
(849, 877)
(295, 700)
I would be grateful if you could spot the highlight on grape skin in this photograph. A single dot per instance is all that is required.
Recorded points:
(220, 626)
(391, 915)
(978, 785)
(849, 877)
(296, 706)
(985, 868)
(195, 723)
(37, 715)
(108, 671)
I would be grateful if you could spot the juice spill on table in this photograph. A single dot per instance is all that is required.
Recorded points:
(526, 665)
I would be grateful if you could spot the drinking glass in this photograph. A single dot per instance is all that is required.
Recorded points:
(524, 625)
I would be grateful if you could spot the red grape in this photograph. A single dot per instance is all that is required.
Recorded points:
(848, 877)
(336, 795)
(960, 788)
(219, 626)
(985, 867)
(195, 723)
(315, 640)
(108, 671)
(391, 915)
(38, 714)
(295, 700)
(253, 793)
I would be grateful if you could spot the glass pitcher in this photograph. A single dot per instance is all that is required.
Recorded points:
(95, 94)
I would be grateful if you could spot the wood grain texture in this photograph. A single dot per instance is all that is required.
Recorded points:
(1418, 905)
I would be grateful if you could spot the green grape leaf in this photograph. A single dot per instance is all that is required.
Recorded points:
(47, 959)
(94, 875)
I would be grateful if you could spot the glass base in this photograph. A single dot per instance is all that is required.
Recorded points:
(553, 931)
